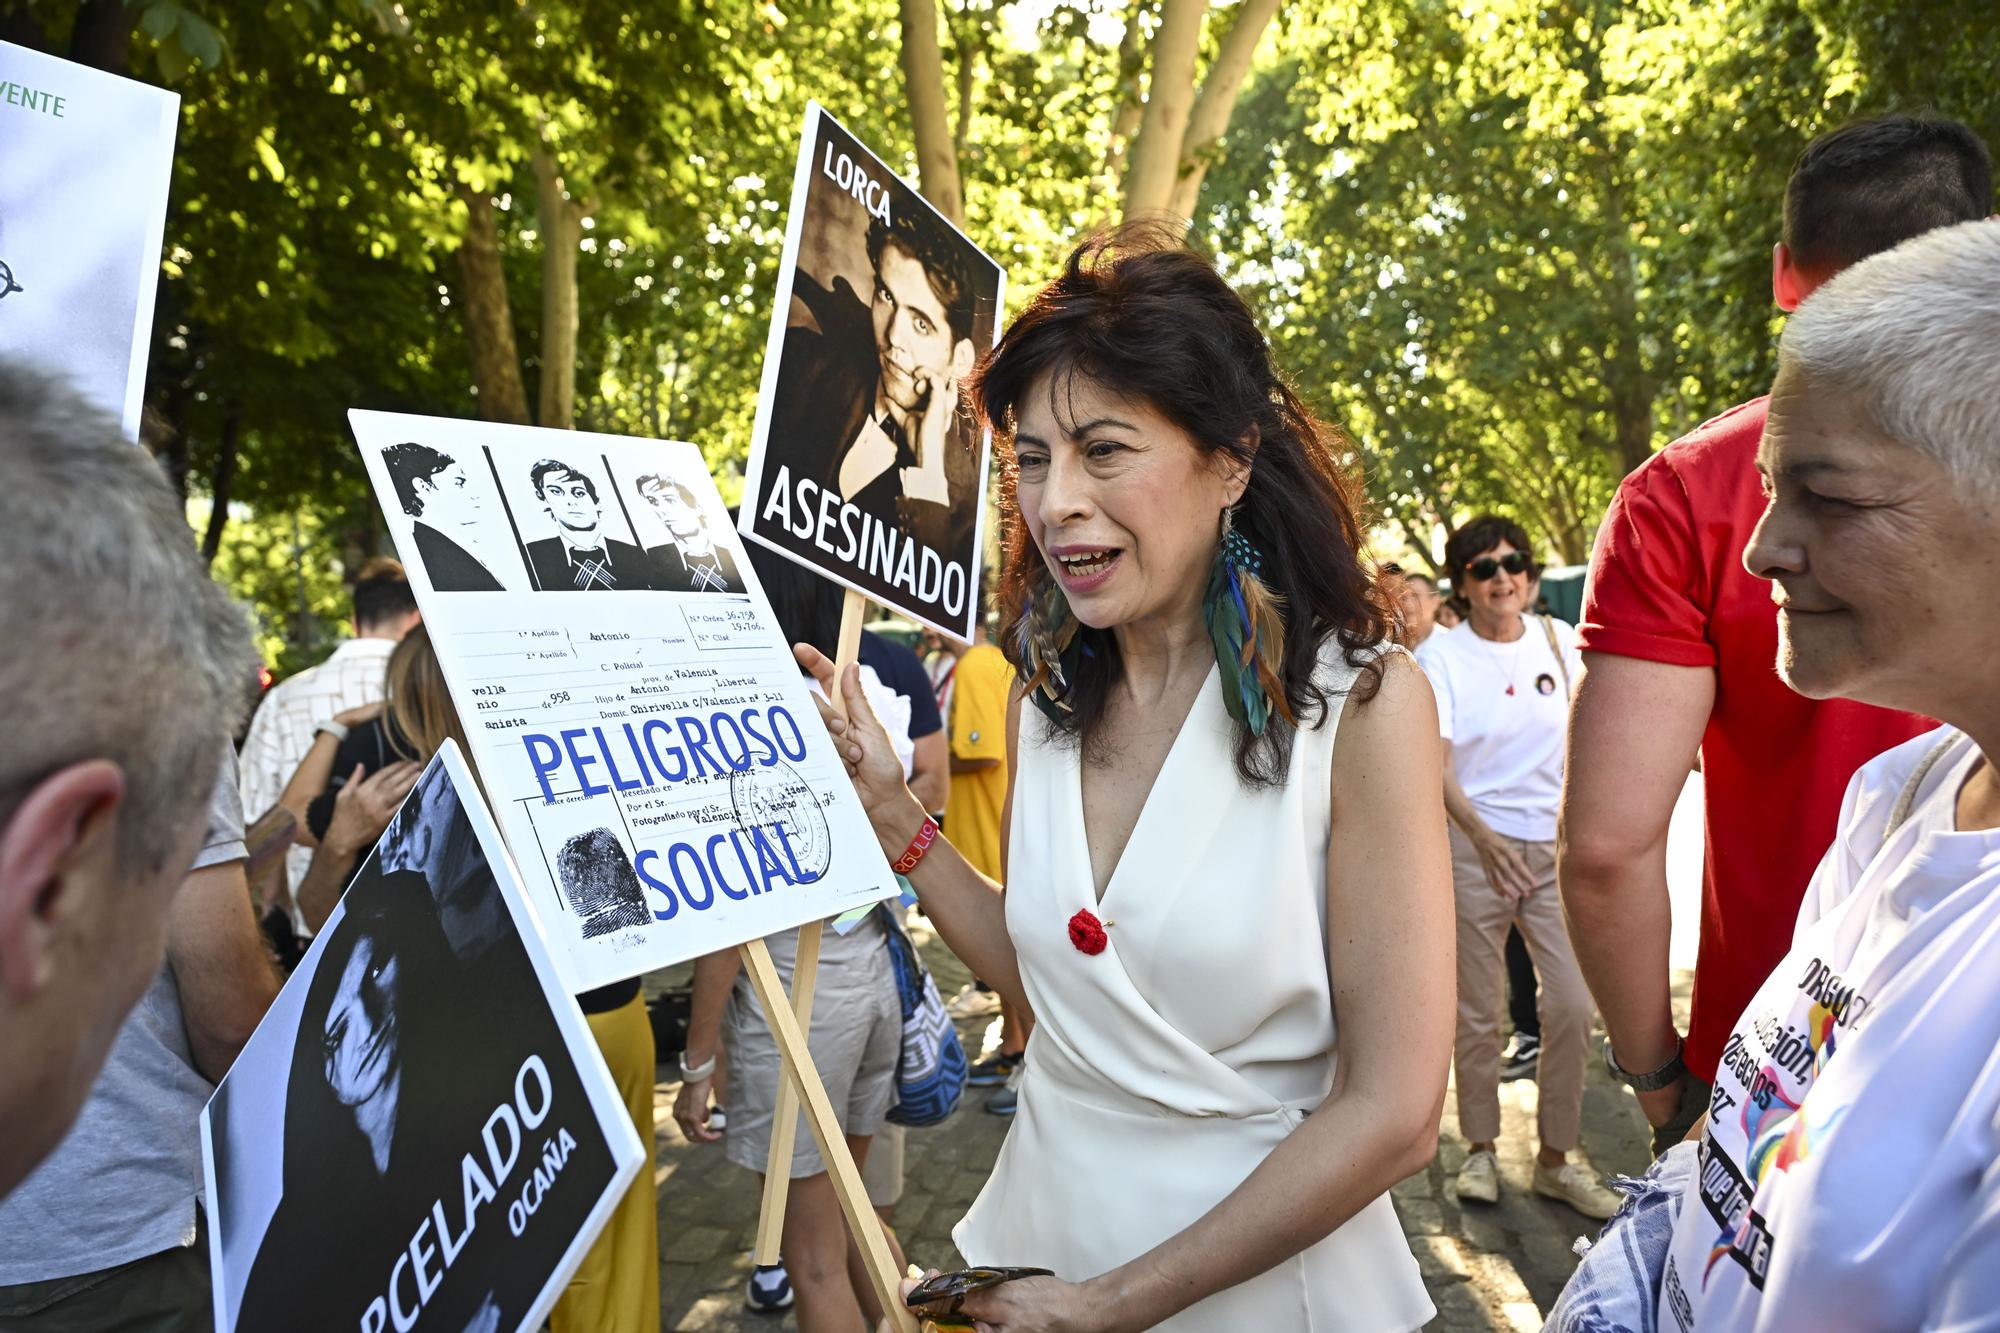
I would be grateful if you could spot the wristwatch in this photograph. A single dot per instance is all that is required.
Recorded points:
(1653, 1082)
(337, 730)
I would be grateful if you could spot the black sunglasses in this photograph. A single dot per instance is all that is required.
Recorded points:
(1485, 567)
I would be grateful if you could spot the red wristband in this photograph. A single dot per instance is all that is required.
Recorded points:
(920, 844)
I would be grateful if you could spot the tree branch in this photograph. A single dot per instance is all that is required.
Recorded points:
(923, 83)
(1156, 153)
(561, 228)
(489, 318)
(1217, 100)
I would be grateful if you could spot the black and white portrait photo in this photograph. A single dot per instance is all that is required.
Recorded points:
(867, 462)
(590, 546)
(692, 554)
(449, 512)
(421, 1134)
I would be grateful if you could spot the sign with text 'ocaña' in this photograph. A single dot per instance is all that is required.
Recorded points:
(422, 1134)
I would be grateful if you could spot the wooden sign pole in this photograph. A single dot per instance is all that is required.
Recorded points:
(791, 1023)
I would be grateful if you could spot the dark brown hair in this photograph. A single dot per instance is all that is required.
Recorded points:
(1140, 313)
(1873, 184)
(1479, 536)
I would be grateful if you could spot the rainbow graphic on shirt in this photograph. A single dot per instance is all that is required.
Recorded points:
(1778, 1131)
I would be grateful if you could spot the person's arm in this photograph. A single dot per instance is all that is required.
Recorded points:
(1390, 947)
(221, 968)
(1506, 868)
(714, 978)
(315, 772)
(1634, 729)
(930, 771)
(963, 904)
(360, 813)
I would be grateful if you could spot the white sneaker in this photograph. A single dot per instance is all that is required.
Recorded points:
(1479, 1179)
(1576, 1186)
(973, 1002)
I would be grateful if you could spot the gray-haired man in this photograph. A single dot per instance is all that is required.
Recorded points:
(126, 666)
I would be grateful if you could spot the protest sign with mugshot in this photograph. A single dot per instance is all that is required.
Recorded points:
(867, 463)
(655, 759)
(83, 201)
(422, 1133)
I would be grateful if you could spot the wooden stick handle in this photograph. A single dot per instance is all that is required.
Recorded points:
(785, 1128)
(803, 1078)
(805, 973)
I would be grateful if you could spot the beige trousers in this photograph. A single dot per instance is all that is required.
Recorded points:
(1484, 914)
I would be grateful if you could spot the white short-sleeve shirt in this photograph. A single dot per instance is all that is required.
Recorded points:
(1505, 709)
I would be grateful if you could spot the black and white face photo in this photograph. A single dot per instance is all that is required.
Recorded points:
(454, 523)
(575, 527)
(687, 547)
(570, 500)
(868, 463)
(676, 509)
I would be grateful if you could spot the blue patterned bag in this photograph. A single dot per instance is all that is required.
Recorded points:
(930, 1077)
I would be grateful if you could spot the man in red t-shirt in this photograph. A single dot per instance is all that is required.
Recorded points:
(1680, 650)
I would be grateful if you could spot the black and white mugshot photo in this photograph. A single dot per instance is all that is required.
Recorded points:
(575, 528)
(687, 547)
(868, 463)
(453, 513)
(413, 1139)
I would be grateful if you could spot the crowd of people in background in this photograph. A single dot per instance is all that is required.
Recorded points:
(1188, 622)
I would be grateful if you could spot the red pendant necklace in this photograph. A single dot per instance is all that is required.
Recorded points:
(1513, 657)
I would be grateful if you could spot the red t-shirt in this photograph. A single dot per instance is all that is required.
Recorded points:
(1667, 584)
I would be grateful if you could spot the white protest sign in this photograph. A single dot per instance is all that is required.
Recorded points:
(85, 161)
(654, 757)
(867, 463)
(422, 1133)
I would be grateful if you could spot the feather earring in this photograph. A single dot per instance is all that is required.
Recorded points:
(1049, 646)
(1246, 623)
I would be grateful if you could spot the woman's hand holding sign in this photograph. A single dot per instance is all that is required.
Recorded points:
(865, 749)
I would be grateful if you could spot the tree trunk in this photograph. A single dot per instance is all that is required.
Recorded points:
(1219, 91)
(489, 320)
(21, 28)
(1156, 153)
(561, 227)
(968, 74)
(923, 83)
(102, 37)
(220, 483)
(1131, 100)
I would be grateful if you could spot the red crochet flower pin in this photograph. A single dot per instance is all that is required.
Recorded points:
(1086, 932)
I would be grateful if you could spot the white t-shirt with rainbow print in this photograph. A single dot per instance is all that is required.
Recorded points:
(1850, 1173)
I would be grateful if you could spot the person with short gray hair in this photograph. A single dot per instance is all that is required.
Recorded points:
(123, 670)
(1922, 358)
(1845, 1173)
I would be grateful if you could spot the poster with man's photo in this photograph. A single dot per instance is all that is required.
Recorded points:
(85, 160)
(867, 463)
(422, 1133)
(655, 760)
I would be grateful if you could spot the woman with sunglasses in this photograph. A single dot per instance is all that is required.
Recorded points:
(1502, 679)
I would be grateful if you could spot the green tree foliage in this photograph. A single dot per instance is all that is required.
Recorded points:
(1511, 246)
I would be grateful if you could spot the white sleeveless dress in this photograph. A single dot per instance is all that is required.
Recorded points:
(1163, 1070)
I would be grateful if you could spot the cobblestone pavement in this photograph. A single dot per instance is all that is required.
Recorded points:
(1495, 1267)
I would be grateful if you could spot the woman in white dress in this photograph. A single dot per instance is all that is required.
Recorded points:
(1236, 935)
